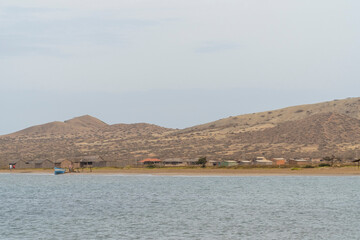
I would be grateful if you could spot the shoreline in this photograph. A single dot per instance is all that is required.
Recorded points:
(324, 171)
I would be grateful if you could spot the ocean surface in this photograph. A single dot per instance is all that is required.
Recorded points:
(178, 207)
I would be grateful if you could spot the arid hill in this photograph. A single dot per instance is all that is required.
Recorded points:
(313, 130)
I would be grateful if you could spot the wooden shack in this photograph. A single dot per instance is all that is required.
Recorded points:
(89, 161)
(244, 162)
(299, 162)
(174, 162)
(278, 161)
(22, 164)
(228, 163)
(66, 163)
(43, 164)
(262, 161)
(179, 162)
(150, 161)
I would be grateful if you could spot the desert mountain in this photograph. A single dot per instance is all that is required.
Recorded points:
(313, 130)
(75, 126)
(254, 121)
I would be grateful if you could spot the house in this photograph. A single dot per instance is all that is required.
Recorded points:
(262, 161)
(228, 163)
(278, 161)
(174, 162)
(179, 162)
(43, 164)
(150, 161)
(212, 163)
(299, 162)
(22, 164)
(244, 162)
(89, 161)
(64, 163)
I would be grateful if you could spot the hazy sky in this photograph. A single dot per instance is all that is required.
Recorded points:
(172, 63)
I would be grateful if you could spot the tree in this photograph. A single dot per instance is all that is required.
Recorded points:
(202, 161)
(332, 159)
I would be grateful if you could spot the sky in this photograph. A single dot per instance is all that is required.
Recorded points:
(172, 63)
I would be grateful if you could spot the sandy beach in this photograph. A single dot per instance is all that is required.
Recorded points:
(327, 171)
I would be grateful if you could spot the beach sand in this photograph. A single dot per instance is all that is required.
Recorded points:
(325, 171)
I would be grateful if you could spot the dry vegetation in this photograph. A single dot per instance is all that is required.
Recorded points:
(301, 131)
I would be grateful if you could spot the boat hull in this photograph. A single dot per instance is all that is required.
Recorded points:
(58, 171)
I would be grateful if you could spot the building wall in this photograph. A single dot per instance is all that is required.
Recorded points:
(294, 162)
(279, 162)
(47, 164)
(112, 164)
(228, 164)
(66, 163)
(264, 163)
(24, 164)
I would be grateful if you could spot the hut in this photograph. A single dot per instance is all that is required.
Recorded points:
(262, 161)
(244, 162)
(43, 164)
(179, 162)
(174, 162)
(65, 163)
(22, 164)
(212, 163)
(278, 161)
(89, 161)
(228, 163)
(299, 162)
(150, 161)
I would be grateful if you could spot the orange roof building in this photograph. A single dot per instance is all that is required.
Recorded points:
(150, 161)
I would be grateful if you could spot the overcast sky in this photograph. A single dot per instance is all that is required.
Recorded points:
(172, 63)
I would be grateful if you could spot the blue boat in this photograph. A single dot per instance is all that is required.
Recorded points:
(59, 170)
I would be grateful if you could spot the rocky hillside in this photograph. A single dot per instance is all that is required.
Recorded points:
(313, 130)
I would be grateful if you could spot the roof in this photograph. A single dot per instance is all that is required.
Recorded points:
(263, 161)
(300, 160)
(150, 160)
(89, 159)
(277, 159)
(41, 161)
(174, 160)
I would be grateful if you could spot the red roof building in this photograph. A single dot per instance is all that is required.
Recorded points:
(150, 161)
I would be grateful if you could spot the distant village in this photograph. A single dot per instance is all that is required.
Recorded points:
(99, 162)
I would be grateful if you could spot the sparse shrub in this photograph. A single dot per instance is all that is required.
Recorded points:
(299, 111)
(308, 166)
(324, 165)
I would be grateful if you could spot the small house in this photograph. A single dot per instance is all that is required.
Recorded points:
(228, 163)
(262, 161)
(43, 164)
(22, 164)
(89, 161)
(64, 163)
(299, 162)
(279, 161)
(244, 162)
(212, 163)
(150, 161)
(174, 162)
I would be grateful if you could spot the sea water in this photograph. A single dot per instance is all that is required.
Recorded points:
(175, 207)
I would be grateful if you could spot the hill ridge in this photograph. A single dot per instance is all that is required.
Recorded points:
(311, 130)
